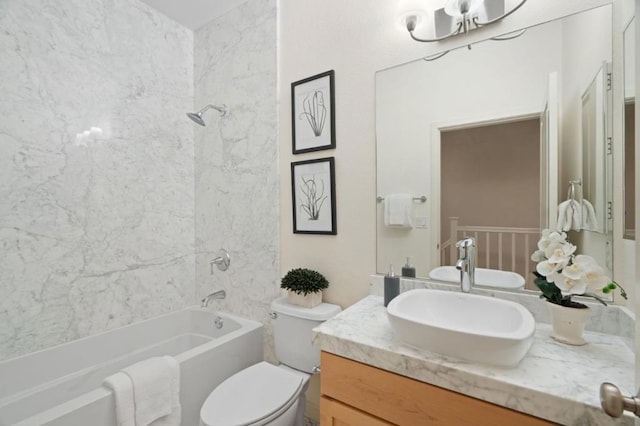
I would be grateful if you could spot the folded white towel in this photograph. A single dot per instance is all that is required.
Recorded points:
(155, 386)
(397, 210)
(122, 389)
(589, 221)
(147, 393)
(175, 418)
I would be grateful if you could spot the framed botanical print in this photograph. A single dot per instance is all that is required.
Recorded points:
(313, 190)
(313, 113)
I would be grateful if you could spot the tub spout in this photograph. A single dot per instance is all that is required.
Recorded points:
(220, 294)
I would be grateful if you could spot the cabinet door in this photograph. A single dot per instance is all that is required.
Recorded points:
(408, 402)
(334, 413)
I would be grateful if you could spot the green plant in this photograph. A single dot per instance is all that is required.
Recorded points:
(304, 281)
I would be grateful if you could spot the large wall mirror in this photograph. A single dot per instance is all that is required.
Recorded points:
(493, 136)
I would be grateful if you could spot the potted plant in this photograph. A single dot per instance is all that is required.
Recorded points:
(304, 287)
(560, 275)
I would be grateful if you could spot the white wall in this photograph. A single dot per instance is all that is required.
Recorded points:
(236, 174)
(356, 39)
(95, 233)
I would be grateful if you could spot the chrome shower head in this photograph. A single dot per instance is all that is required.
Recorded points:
(197, 116)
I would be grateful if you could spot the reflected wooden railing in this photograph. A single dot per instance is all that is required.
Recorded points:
(504, 248)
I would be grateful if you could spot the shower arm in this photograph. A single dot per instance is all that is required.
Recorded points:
(221, 109)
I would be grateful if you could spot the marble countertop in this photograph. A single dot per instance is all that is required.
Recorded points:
(554, 381)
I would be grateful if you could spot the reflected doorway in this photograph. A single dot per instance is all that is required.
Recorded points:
(490, 188)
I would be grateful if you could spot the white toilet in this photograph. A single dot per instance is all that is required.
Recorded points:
(265, 394)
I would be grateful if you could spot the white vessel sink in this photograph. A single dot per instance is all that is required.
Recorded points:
(484, 277)
(466, 326)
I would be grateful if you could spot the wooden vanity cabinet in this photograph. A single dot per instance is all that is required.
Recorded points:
(356, 394)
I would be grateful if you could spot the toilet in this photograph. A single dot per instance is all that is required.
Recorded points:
(265, 394)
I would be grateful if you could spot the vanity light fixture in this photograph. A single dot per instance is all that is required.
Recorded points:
(460, 17)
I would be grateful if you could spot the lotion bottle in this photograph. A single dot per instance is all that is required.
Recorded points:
(408, 270)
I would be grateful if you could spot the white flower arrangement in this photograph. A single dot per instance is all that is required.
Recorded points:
(560, 273)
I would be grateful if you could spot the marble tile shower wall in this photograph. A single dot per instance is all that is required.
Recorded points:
(96, 229)
(237, 160)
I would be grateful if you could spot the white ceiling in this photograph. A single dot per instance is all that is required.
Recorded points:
(193, 13)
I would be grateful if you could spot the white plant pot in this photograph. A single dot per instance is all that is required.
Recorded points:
(568, 324)
(308, 301)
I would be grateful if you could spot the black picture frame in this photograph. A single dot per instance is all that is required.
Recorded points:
(313, 126)
(313, 193)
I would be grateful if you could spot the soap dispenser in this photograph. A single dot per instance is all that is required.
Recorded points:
(408, 270)
(391, 286)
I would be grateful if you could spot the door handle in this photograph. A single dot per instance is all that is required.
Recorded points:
(614, 403)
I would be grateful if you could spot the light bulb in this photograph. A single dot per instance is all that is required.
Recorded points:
(410, 8)
(455, 7)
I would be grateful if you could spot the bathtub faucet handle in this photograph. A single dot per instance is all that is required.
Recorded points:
(222, 260)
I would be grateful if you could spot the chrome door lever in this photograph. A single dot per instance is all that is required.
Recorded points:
(615, 404)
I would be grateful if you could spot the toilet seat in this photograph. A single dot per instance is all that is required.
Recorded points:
(253, 396)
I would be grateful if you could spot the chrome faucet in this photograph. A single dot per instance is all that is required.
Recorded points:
(220, 294)
(466, 263)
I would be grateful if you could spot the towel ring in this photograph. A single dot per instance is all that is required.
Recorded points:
(571, 195)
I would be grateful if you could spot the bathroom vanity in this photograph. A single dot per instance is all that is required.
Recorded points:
(356, 393)
(369, 377)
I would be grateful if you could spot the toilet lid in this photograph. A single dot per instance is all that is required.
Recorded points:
(250, 395)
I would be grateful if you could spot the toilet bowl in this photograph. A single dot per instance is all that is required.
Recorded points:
(265, 394)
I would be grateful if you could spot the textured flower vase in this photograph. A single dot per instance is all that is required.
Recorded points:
(568, 323)
(307, 300)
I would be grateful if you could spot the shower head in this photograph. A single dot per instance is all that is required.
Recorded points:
(197, 116)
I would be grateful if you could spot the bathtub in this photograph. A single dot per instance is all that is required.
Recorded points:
(62, 386)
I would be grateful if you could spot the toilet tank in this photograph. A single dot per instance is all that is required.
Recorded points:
(292, 332)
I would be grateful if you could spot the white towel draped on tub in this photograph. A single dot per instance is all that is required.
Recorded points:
(122, 389)
(397, 210)
(147, 393)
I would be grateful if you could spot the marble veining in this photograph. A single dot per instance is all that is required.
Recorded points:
(236, 170)
(96, 227)
(554, 381)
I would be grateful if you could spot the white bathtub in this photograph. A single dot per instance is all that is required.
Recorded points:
(62, 386)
